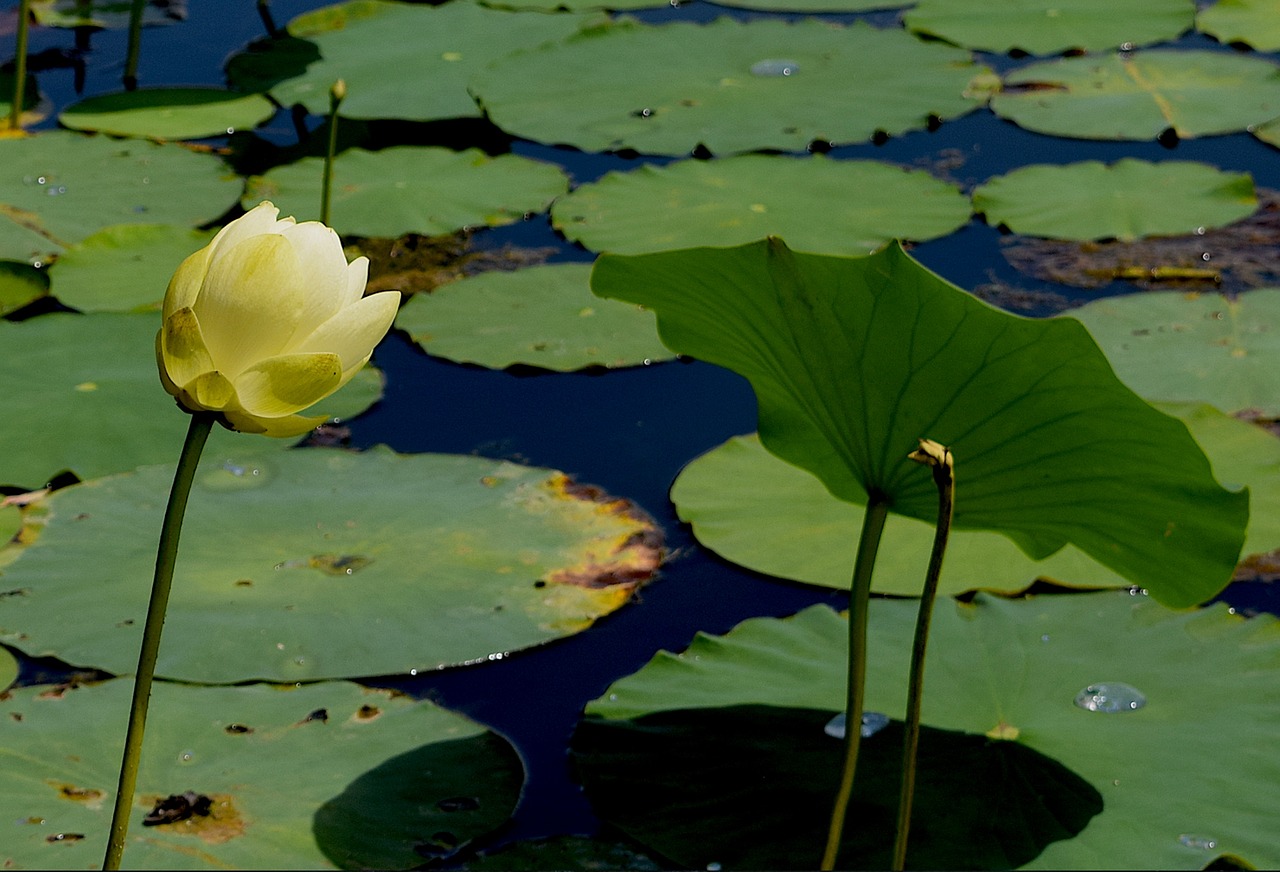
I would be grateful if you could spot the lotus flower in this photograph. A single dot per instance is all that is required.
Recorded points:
(267, 320)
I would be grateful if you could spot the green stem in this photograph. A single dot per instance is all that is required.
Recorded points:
(336, 93)
(135, 44)
(859, 599)
(20, 67)
(166, 557)
(939, 458)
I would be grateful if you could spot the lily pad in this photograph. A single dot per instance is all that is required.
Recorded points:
(763, 513)
(169, 113)
(541, 316)
(20, 284)
(864, 204)
(8, 669)
(414, 190)
(1200, 348)
(125, 267)
(1269, 132)
(854, 360)
(1011, 670)
(795, 6)
(109, 14)
(1125, 200)
(61, 186)
(1042, 27)
(322, 563)
(308, 777)
(1256, 23)
(727, 86)
(1140, 95)
(360, 41)
(102, 409)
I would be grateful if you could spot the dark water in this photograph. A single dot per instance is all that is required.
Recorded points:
(628, 431)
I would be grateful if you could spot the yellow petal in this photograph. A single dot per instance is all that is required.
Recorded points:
(257, 221)
(184, 287)
(183, 354)
(212, 391)
(323, 273)
(287, 384)
(352, 333)
(292, 425)
(357, 278)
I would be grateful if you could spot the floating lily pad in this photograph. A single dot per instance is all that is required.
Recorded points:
(795, 6)
(61, 186)
(1256, 23)
(1140, 95)
(8, 669)
(88, 386)
(542, 316)
(565, 853)
(1268, 133)
(322, 563)
(863, 204)
(125, 267)
(20, 284)
(1124, 200)
(1173, 796)
(360, 41)
(307, 777)
(414, 190)
(575, 5)
(110, 14)
(169, 113)
(760, 512)
(1042, 27)
(1201, 348)
(728, 86)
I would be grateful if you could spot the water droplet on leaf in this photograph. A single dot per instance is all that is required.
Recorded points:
(773, 67)
(1192, 840)
(1110, 697)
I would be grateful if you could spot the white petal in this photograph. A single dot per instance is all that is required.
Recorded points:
(287, 384)
(262, 218)
(323, 276)
(352, 333)
(357, 278)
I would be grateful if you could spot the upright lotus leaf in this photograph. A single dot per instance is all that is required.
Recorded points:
(1202, 348)
(853, 360)
(1187, 773)
(168, 113)
(407, 189)
(1124, 200)
(728, 86)
(315, 776)
(740, 199)
(124, 267)
(1141, 94)
(321, 563)
(1256, 23)
(1044, 27)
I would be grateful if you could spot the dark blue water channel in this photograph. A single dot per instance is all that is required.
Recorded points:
(627, 431)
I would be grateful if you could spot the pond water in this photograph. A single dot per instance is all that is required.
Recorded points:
(627, 431)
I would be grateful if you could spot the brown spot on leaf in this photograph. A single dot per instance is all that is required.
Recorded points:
(367, 713)
(321, 715)
(415, 264)
(60, 838)
(237, 729)
(621, 562)
(212, 818)
(90, 796)
(1259, 567)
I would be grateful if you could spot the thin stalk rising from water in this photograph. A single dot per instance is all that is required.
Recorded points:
(166, 558)
(135, 45)
(20, 66)
(336, 93)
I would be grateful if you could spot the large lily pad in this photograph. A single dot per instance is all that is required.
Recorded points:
(795, 6)
(1043, 27)
(414, 190)
(323, 563)
(104, 13)
(100, 408)
(1202, 348)
(125, 267)
(1140, 95)
(20, 284)
(1184, 777)
(864, 204)
(763, 513)
(360, 41)
(169, 113)
(59, 187)
(853, 360)
(8, 669)
(727, 86)
(316, 776)
(1125, 200)
(541, 316)
(1255, 23)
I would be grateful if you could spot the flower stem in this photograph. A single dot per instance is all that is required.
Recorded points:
(20, 67)
(859, 599)
(336, 94)
(166, 557)
(135, 44)
(939, 458)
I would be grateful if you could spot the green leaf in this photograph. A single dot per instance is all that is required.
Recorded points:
(1013, 668)
(322, 563)
(855, 359)
(1125, 200)
(1256, 23)
(33, 110)
(304, 777)
(795, 6)
(1043, 27)
(123, 268)
(728, 86)
(103, 407)
(168, 113)
(1139, 95)
(111, 14)
(414, 190)
(8, 666)
(741, 199)
(59, 187)
(541, 316)
(20, 284)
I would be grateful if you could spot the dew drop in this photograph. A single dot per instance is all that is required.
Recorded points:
(1206, 256)
(234, 474)
(773, 68)
(187, 756)
(41, 180)
(713, 866)
(413, 672)
(300, 660)
(230, 130)
(1192, 840)
(1110, 697)
(1199, 231)
(613, 697)
(872, 723)
(1044, 638)
(55, 190)
(1126, 46)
